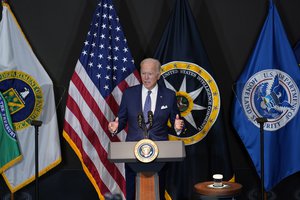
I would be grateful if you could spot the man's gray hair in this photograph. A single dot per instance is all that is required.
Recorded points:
(153, 60)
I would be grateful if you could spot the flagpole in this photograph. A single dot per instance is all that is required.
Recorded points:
(36, 125)
(261, 121)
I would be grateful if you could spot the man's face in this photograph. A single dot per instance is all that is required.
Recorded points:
(149, 74)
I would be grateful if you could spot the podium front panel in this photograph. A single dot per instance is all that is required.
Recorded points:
(169, 151)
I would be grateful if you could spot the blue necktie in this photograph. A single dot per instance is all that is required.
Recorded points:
(147, 106)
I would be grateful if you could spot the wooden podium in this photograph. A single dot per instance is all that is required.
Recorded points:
(147, 180)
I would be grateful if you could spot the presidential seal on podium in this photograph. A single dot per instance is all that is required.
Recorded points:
(146, 150)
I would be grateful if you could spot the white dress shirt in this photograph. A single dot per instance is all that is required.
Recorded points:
(153, 96)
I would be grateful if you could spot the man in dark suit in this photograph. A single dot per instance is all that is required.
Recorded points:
(163, 105)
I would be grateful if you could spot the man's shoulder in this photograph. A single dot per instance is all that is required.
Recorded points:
(137, 88)
(166, 90)
(134, 88)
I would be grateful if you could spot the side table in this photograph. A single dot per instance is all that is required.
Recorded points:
(205, 190)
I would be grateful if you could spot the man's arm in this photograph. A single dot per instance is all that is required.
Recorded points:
(176, 121)
(120, 122)
(113, 126)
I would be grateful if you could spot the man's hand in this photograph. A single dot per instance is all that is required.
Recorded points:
(178, 125)
(113, 126)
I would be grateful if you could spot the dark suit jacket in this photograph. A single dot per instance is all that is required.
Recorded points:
(131, 105)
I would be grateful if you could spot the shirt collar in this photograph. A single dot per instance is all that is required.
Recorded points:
(154, 90)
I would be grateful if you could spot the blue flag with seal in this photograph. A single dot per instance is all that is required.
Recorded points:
(186, 70)
(269, 88)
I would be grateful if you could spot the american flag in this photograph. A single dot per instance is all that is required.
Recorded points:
(104, 70)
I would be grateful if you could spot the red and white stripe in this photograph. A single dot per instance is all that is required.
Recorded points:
(86, 119)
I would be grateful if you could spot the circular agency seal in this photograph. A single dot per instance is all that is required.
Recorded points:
(23, 95)
(272, 94)
(198, 98)
(146, 150)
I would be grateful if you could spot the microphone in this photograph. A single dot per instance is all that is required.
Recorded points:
(150, 118)
(141, 120)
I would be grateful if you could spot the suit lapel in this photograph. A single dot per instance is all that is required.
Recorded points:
(159, 100)
(140, 103)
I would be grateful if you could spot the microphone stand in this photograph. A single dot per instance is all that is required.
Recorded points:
(143, 125)
(150, 122)
(261, 121)
(36, 125)
(146, 135)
